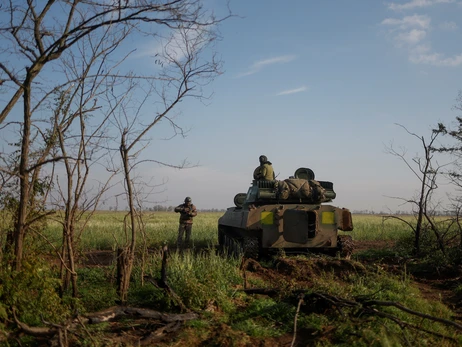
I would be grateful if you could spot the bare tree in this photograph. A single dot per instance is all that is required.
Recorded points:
(453, 146)
(426, 171)
(80, 151)
(186, 72)
(39, 38)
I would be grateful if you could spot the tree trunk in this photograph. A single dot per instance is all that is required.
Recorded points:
(72, 268)
(68, 269)
(124, 270)
(24, 197)
(127, 255)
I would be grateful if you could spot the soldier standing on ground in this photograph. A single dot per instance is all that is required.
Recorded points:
(187, 212)
(265, 170)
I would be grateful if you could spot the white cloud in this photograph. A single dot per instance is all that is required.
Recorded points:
(175, 45)
(259, 65)
(411, 37)
(410, 32)
(435, 59)
(292, 91)
(416, 4)
(449, 26)
(421, 49)
(414, 21)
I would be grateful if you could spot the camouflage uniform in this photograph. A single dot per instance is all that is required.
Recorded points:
(187, 212)
(264, 171)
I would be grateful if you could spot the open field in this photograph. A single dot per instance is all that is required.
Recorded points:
(242, 302)
(105, 230)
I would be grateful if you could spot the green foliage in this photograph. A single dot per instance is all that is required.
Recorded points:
(264, 317)
(203, 279)
(380, 286)
(210, 283)
(200, 280)
(149, 296)
(458, 289)
(198, 324)
(97, 288)
(431, 255)
(377, 254)
(33, 293)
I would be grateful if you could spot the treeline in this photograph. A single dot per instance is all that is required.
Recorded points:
(162, 208)
(404, 213)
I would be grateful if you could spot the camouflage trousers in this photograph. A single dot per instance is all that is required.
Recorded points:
(184, 230)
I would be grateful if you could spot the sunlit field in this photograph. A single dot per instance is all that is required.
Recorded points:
(105, 230)
(379, 227)
(206, 279)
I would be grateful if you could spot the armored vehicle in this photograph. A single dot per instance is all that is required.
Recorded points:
(290, 215)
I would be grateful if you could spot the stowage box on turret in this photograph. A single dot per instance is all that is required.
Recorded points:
(289, 215)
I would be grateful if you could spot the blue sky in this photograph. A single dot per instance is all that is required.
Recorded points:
(319, 85)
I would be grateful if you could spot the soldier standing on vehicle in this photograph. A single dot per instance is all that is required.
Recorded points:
(187, 212)
(265, 170)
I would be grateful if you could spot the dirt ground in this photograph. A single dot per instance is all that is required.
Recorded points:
(434, 286)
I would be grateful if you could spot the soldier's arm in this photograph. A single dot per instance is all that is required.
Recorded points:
(193, 212)
(179, 208)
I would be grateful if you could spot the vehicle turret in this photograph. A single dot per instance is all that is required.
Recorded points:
(293, 215)
(300, 188)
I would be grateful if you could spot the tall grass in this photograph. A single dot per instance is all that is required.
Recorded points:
(105, 231)
(379, 227)
(210, 283)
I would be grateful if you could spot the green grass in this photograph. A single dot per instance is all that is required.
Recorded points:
(378, 227)
(201, 280)
(209, 283)
(105, 230)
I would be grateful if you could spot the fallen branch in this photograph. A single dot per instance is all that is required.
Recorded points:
(263, 291)
(410, 325)
(415, 313)
(300, 301)
(86, 330)
(159, 334)
(123, 311)
(364, 304)
(35, 331)
(105, 316)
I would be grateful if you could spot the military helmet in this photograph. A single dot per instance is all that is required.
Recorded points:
(187, 199)
(263, 159)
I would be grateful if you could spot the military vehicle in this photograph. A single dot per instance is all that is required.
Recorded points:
(289, 215)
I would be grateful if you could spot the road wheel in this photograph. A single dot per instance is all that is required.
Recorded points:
(231, 248)
(251, 247)
(225, 246)
(345, 246)
(237, 248)
(221, 236)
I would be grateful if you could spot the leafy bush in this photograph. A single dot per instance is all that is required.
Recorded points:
(33, 293)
